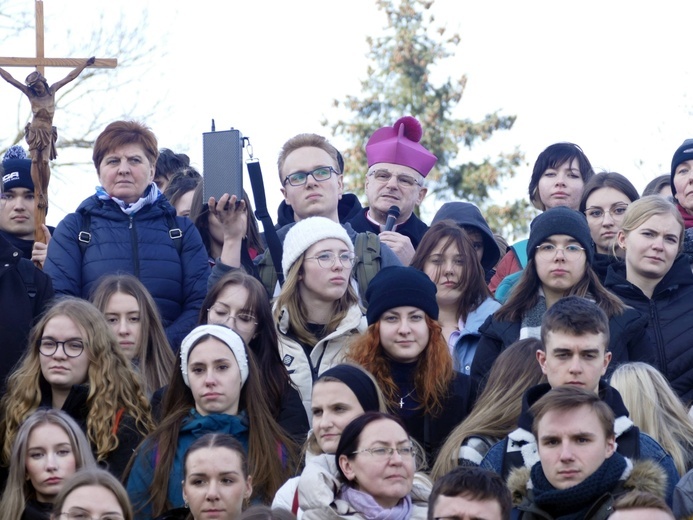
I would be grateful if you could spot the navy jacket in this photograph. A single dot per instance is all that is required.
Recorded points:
(137, 244)
(670, 328)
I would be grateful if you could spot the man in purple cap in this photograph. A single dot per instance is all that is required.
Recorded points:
(397, 167)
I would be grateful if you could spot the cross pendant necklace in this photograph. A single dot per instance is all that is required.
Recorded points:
(401, 399)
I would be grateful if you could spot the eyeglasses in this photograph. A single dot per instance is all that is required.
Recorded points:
(327, 259)
(79, 515)
(221, 314)
(549, 251)
(82, 515)
(385, 453)
(616, 211)
(72, 347)
(405, 181)
(319, 174)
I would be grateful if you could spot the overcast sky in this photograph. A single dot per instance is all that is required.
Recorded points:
(610, 76)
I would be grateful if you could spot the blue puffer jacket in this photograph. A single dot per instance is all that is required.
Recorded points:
(137, 244)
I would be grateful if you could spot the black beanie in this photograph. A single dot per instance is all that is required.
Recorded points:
(684, 153)
(560, 221)
(399, 287)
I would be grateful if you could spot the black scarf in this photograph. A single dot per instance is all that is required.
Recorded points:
(574, 502)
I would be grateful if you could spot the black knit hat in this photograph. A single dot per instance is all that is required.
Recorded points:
(683, 153)
(16, 169)
(560, 221)
(399, 287)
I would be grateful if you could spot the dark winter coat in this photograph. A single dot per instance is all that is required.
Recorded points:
(137, 244)
(414, 228)
(18, 310)
(670, 326)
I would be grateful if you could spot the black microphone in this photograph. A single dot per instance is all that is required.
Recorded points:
(392, 216)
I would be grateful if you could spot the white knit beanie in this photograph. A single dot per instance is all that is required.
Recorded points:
(223, 334)
(307, 232)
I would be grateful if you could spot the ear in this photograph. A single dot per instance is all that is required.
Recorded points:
(422, 194)
(621, 239)
(610, 446)
(185, 498)
(285, 198)
(541, 358)
(248, 487)
(347, 468)
(607, 360)
(340, 185)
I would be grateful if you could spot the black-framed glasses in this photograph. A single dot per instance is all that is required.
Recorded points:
(327, 259)
(319, 174)
(71, 347)
(387, 452)
(549, 251)
(404, 180)
(221, 314)
(617, 211)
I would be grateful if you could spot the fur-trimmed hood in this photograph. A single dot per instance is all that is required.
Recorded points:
(644, 475)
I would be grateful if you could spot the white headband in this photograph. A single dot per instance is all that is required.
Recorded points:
(223, 334)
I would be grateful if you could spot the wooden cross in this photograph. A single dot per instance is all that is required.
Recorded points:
(40, 168)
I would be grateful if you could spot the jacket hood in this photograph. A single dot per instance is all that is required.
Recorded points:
(646, 475)
(679, 275)
(348, 207)
(467, 214)
(110, 210)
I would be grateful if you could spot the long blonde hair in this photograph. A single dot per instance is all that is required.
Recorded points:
(19, 488)
(290, 299)
(155, 358)
(499, 405)
(656, 409)
(112, 383)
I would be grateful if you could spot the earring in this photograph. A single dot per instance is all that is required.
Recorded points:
(185, 504)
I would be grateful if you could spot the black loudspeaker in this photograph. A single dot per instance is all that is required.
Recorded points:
(222, 154)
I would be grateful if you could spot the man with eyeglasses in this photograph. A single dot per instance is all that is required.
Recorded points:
(397, 167)
(24, 294)
(310, 172)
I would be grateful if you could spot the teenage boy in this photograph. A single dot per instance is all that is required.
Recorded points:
(579, 473)
(469, 493)
(575, 335)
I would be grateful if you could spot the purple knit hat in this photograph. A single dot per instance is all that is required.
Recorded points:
(399, 144)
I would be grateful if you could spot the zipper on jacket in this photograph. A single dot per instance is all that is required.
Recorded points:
(133, 243)
(658, 334)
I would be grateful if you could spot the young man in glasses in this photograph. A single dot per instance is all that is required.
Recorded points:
(397, 167)
(310, 172)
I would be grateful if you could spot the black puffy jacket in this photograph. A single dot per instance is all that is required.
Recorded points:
(670, 315)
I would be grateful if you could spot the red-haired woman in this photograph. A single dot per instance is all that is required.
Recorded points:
(405, 350)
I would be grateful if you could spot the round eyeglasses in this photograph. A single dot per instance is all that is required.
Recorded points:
(71, 347)
(327, 259)
(220, 314)
(549, 251)
(616, 212)
(404, 181)
(405, 452)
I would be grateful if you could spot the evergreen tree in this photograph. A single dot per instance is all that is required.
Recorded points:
(399, 83)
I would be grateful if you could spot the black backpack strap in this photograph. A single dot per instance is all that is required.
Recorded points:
(273, 242)
(84, 236)
(175, 232)
(27, 271)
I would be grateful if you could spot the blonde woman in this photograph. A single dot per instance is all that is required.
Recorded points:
(74, 364)
(656, 409)
(317, 311)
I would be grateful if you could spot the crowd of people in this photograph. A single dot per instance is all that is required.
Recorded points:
(164, 359)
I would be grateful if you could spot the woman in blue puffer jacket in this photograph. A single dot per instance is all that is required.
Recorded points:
(128, 226)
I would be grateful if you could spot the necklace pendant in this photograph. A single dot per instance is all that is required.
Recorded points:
(401, 403)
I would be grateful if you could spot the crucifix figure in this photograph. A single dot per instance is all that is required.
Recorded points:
(40, 133)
